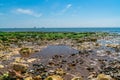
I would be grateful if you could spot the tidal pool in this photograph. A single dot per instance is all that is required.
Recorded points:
(55, 50)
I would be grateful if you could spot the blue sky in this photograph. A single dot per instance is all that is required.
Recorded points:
(59, 13)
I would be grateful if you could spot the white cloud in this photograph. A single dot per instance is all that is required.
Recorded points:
(62, 11)
(66, 8)
(28, 12)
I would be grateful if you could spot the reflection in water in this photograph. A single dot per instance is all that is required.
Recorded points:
(56, 50)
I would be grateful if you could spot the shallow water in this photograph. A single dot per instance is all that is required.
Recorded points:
(55, 50)
(87, 29)
(110, 40)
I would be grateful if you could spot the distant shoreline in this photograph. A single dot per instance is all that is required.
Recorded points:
(87, 29)
(54, 27)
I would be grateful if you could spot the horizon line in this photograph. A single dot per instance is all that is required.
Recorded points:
(55, 27)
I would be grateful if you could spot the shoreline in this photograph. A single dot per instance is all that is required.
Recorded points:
(90, 54)
(77, 29)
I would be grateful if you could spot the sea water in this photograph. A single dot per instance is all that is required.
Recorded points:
(113, 30)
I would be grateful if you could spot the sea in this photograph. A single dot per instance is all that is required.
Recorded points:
(112, 30)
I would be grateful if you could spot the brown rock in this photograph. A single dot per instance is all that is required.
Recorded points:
(54, 77)
(19, 67)
(103, 77)
(77, 78)
(1, 66)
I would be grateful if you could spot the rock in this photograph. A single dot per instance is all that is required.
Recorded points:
(60, 71)
(37, 77)
(93, 79)
(26, 52)
(29, 78)
(1, 66)
(93, 75)
(112, 45)
(19, 67)
(19, 60)
(16, 75)
(31, 60)
(90, 69)
(37, 50)
(54, 77)
(77, 78)
(51, 72)
(38, 68)
(2, 57)
(103, 77)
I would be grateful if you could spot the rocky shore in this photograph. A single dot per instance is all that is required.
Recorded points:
(88, 58)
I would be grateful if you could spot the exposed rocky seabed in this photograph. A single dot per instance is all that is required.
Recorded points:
(62, 59)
